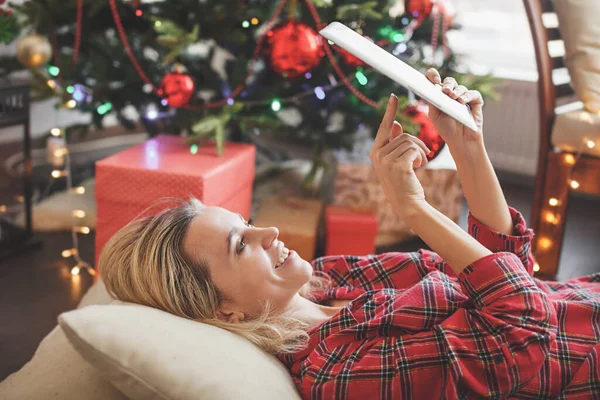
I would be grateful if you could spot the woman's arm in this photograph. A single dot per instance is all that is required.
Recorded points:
(481, 187)
(394, 156)
(478, 178)
(443, 236)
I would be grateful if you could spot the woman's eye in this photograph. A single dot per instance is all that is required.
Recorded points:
(242, 245)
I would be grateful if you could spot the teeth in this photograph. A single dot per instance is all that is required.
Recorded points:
(284, 255)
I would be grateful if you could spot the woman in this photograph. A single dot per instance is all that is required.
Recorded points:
(467, 321)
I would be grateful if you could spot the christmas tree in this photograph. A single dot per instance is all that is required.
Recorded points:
(222, 70)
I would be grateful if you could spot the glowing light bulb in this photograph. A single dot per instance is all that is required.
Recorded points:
(68, 252)
(91, 271)
(545, 243)
(78, 190)
(139, 13)
(254, 21)
(553, 202)
(569, 159)
(157, 24)
(574, 184)
(536, 267)
(60, 152)
(3, 208)
(55, 132)
(551, 218)
(245, 24)
(75, 270)
(194, 149)
(591, 144)
(71, 103)
(57, 174)
(275, 105)
(51, 84)
(78, 213)
(82, 229)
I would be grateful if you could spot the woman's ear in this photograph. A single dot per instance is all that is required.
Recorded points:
(234, 317)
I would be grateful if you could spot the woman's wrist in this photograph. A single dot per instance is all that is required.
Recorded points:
(411, 211)
(462, 150)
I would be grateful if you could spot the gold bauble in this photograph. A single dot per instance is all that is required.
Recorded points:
(33, 50)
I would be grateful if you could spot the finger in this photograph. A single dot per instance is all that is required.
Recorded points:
(385, 128)
(399, 140)
(449, 85)
(458, 91)
(434, 76)
(396, 130)
(403, 150)
(475, 101)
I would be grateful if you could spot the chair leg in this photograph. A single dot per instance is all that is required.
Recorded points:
(550, 222)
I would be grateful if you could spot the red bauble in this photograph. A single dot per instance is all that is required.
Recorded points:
(350, 59)
(177, 88)
(419, 9)
(427, 132)
(294, 48)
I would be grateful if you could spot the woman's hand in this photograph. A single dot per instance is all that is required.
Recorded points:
(395, 155)
(450, 129)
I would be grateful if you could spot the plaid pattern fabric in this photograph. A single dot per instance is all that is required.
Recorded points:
(415, 330)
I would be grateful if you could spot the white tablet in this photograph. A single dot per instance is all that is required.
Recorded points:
(397, 70)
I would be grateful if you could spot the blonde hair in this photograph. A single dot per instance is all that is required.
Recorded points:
(144, 263)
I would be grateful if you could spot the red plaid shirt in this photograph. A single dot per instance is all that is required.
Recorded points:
(415, 330)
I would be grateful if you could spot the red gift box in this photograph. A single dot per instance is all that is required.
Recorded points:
(129, 182)
(350, 233)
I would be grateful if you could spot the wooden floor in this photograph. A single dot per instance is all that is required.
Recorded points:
(36, 287)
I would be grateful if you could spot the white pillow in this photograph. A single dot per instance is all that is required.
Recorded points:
(150, 354)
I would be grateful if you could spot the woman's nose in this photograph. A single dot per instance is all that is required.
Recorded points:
(268, 236)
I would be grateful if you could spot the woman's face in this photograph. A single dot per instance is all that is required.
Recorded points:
(244, 262)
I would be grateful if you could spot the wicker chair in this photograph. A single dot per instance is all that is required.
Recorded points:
(559, 171)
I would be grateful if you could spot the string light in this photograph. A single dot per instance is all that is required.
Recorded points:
(52, 70)
(60, 152)
(591, 144)
(71, 103)
(157, 24)
(104, 108)
(536, 267)
(551, 218)
(82, 229)
(70, 89)
(245, 24)
(3, 208)
(78, 213)
(51, 84)
(275, 105)
(254, 21)
(55, 132)
(59, 174)
(78, 190)
(545, 243)
(570, 159)
(194, 149)
(361, 78)
(320, 93)
(553, 202)
(139, 13)
(574, 184)
(68, 253)
(75, 270)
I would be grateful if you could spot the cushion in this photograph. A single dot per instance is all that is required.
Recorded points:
(573, 129)
(580, 30)
(58, 371)
(151, 354)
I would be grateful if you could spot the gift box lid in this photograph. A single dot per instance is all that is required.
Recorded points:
(290, 215)
(164, 167)
(343, 219)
